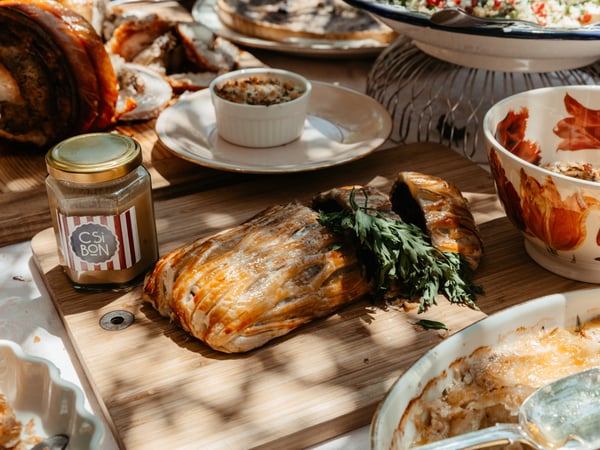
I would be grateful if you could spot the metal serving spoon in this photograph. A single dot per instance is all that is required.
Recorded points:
(563, 415)
(459, 18)
(56, 442)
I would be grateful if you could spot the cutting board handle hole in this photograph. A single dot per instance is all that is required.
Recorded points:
(116, 320)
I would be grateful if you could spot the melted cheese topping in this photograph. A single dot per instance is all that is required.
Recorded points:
(488, 386)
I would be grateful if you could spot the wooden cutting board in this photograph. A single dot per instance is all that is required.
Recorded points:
(164, 389)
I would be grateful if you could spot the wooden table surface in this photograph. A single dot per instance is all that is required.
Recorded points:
(23, 203)
(158, 385)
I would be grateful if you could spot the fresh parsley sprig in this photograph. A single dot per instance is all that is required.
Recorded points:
(400, 257)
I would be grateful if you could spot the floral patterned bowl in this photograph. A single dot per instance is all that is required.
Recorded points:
(544, 153)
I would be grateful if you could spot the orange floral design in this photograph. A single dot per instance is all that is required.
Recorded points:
(538, 209)
(581, 130)
(560, 223)
(510, 133)
(507, 192)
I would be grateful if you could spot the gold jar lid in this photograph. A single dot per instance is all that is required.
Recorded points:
(93, 157)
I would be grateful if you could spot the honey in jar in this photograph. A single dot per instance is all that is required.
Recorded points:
(100, 198)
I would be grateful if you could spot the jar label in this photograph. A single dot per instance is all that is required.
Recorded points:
(96, 243)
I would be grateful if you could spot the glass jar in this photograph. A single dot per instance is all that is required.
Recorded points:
(100, 198)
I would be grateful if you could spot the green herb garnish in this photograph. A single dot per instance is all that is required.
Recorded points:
(399, 256)
(431, 324)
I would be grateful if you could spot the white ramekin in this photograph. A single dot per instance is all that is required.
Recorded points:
(258, 125)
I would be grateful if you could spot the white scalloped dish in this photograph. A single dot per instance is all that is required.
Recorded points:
(43, 402)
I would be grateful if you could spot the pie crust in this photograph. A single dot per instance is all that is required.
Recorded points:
(283, 20)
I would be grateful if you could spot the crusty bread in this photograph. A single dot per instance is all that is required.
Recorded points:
(309, 19)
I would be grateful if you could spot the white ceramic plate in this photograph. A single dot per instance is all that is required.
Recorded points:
(516, 48)
(34, 389)
(342, 125)
(204, 11)
(554, 310)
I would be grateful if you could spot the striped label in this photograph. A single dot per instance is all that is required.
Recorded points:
(96, 243)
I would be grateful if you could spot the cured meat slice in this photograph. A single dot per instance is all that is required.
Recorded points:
(242, 287)
(438, 208)
(132, 34)
(206, 50)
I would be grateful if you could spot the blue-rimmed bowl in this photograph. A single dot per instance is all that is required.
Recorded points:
(515, 47)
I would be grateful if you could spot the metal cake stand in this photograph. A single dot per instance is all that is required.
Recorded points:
(436, 101)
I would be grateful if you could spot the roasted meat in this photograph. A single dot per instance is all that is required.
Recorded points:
(187, 54)
(57, 77)
(133, 33)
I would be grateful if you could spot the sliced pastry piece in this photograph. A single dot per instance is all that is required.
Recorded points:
(281, 20)
(339, 198)
(438, 208)
(290, 264)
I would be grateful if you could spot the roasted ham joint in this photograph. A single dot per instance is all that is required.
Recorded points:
(290, 264)
(70, 67)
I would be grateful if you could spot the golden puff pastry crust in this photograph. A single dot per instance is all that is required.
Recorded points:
(249, 284)
(242, 287)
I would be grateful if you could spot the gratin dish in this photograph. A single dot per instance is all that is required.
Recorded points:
(260, 125)
(36, 392)
(394, 414)
(558, 215)
(516, 47)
